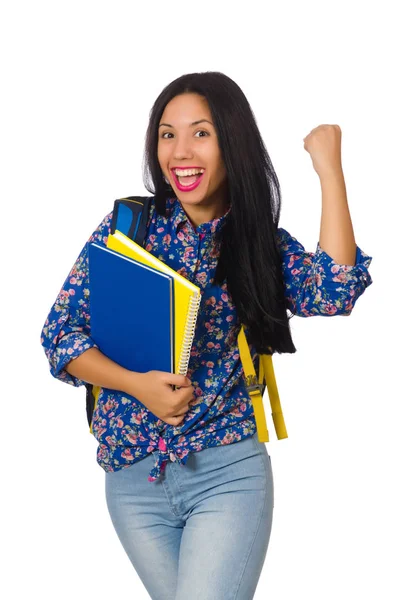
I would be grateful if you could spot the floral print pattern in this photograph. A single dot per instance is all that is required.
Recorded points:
(222, 412)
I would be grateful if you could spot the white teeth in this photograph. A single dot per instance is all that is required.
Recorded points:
(186, 172)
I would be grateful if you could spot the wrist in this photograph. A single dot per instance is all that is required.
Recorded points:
(133, 384)
(333, 174)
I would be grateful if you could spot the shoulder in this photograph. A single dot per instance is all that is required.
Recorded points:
(100, 234)
(287, 243)
(284, 238)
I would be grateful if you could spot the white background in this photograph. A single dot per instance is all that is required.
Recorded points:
(78, 81)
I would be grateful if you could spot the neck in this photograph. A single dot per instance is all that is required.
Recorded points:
(199, 213)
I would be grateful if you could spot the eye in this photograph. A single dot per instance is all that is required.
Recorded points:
(169, 133)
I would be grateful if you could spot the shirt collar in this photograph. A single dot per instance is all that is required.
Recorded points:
(179, 217)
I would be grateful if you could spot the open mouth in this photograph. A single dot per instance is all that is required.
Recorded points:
(188, 179)
(187, 182)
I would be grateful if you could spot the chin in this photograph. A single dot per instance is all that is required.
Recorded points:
(193, 197)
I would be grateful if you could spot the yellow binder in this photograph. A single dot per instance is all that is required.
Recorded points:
(187, 296)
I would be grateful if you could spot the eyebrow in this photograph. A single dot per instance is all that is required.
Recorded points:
(191, 124)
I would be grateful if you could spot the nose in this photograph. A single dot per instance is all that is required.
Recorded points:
(182, 148)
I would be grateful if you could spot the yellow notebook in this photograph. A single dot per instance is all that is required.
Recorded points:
(187, 297)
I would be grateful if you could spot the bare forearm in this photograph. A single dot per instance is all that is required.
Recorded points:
(94, 367)
(336, 230)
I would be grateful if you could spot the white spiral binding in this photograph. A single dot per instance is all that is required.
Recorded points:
(194, 304)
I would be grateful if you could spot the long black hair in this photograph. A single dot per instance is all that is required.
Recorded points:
(249, 257)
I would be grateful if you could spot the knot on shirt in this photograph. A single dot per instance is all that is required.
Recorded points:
(166, 452)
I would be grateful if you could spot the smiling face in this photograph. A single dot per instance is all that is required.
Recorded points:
(187, 139)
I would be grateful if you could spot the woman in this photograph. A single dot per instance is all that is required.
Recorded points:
(199, 525)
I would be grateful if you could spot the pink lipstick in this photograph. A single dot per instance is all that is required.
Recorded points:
(186, 188)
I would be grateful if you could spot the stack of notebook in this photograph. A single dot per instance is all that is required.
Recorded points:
(143, 313)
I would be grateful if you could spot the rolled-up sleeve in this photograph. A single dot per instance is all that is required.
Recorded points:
(66, 331)
(315, 284)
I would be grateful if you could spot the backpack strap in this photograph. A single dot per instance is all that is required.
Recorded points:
(130, 216)
(256, 389)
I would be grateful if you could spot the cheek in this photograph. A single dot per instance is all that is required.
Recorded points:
(219, 172)
(219, 166)
(161, 155)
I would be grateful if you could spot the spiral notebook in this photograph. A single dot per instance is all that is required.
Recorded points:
(141, 317)
(187, 297)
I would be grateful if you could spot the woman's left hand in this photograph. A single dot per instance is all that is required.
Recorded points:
(324, 144)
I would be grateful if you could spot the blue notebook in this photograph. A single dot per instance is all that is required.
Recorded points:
(131, 311)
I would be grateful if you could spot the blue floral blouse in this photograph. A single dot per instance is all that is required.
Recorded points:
(222, 412)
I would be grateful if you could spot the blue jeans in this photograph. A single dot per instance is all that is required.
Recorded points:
(202, 530)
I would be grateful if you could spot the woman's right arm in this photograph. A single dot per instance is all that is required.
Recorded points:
(94, 367)
(72, 354)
